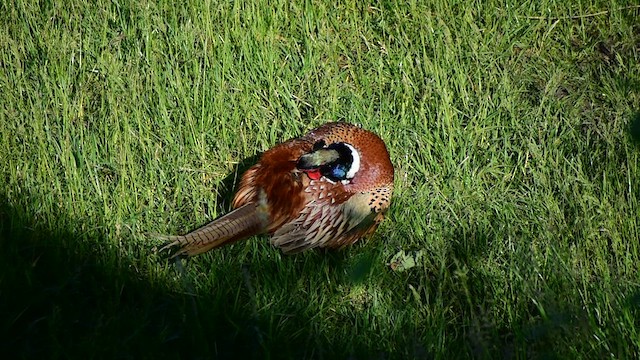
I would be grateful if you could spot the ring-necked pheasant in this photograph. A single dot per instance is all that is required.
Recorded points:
(328, 188)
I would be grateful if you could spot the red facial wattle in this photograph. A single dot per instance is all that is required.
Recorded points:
(314, 174)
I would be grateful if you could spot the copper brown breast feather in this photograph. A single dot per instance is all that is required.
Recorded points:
(326, 189)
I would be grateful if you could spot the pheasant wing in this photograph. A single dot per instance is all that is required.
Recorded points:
(329, 222)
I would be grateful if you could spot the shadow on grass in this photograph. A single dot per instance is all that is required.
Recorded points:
(230, 183)
(65, 297)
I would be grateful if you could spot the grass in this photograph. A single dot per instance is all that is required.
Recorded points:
(513, 127)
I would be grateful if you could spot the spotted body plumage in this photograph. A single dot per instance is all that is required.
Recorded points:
(326, 189)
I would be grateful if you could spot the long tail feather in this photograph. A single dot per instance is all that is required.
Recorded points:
(239, 224)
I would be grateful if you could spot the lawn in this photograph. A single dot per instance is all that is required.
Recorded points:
(514, 129)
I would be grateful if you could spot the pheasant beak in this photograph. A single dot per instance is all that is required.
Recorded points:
(314, 160)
